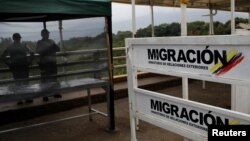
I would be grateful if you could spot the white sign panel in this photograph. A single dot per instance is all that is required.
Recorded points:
(223, 59)
(210, 59)
(186, 115)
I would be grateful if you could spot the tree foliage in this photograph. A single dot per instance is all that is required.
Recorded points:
(118, 39)
(195, 28)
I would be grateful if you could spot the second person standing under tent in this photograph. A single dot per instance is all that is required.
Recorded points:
(47, 49)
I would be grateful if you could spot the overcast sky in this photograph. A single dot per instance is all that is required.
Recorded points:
(71, 28)
(121, 20)
(121, 15)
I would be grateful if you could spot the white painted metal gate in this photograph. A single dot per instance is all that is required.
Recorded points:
(222, 59)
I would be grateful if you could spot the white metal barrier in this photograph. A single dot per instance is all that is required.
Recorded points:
(222, 59)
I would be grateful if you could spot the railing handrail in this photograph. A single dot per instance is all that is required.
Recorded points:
(65, 53)
(78, 52)
(60, 74)
(119, 63)
(118, 48)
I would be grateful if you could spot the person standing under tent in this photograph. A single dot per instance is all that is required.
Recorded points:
(18, 57)
(47, 49)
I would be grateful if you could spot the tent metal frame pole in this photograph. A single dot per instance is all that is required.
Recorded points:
(110, 91)
(61, 40)
(44, 24)
(249, 18)
(60, 32)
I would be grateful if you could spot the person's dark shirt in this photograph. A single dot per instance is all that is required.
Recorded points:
(47, 50)
(17, 53)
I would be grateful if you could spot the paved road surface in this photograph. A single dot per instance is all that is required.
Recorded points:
(82, 129)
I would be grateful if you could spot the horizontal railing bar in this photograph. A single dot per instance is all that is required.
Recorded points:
(69, 73)
(119, 57)
(71, 52)
(120, 66)
(64, 64)
(119, 49)
(83, 62)
(79, 52)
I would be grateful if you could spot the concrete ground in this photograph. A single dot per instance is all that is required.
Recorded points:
(81, 129)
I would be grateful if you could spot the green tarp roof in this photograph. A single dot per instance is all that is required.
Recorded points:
(40, 10)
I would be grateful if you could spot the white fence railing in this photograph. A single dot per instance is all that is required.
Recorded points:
(222, 59)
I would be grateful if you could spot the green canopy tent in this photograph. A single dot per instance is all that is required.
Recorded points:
(58, 10)
(48, 10)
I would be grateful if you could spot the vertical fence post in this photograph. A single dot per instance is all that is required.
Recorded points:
(132, 82)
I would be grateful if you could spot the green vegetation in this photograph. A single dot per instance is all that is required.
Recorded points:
(98, 42)
(86, 60)
(173, 29)
(195, 28)
(84, 43)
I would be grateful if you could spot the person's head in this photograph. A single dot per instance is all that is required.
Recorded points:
(45, 34)
(16, 37)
